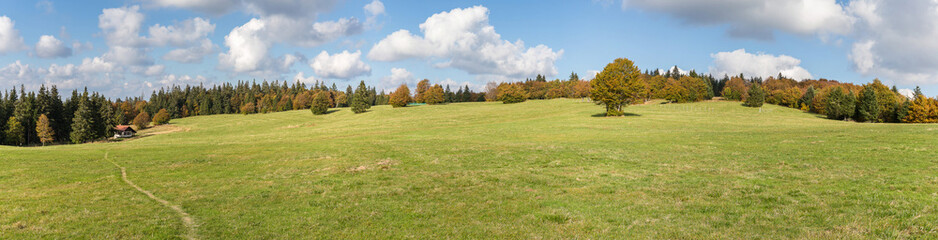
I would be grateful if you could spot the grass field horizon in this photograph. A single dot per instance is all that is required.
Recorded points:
(537, 169)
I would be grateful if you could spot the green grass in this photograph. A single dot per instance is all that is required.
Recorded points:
(539, 169)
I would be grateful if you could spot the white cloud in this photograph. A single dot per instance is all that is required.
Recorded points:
(248, 44)
(373, 10)
(50, 47)
(756, 19)
(121, 26)
(181, 80)
(10, 39)
(909, 93)
(343, 65)
(96, 65)
(307, 80)
(398, 76)
(193, 54)
(759, 65)
(895, 40)
(590, 74)
(181, 34)
(463, 39)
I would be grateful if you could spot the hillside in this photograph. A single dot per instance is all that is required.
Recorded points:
(472, 170)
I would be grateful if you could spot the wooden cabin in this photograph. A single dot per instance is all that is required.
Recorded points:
(124, 131)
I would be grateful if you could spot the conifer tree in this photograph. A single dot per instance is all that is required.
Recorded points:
(756, 96)
(44, 130)
(868, 108)
(807, 99)
(82, 123)
(15, 134)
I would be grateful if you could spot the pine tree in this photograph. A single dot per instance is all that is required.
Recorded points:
(44, 130)
(15, 133)
(807, 99)
(868, 108)
(83, 123)
(360, 99)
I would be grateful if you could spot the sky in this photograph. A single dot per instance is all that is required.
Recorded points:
(133, 47)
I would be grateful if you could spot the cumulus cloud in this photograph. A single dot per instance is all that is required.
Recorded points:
(756, 19)
(343, 65)
(10, 39)
(192, 54)
(307, 80)
(51, 47)
(373, 10)
(398, 76)
(463, 39)
(758, 65)
(182, 33)
(249, 44)
(895, 40)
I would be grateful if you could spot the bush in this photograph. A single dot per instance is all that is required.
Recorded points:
(320, 103)
(756, 96)
(161, 117)
(511, 93)
(400, 97)
(142, 120)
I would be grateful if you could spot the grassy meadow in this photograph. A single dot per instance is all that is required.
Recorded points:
(539, 169)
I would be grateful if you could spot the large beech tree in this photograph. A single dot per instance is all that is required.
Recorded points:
(617, 85)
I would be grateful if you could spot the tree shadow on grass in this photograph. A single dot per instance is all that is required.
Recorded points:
(603, 114)
(331, 111)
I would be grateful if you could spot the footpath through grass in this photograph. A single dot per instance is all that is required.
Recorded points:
(539, 169)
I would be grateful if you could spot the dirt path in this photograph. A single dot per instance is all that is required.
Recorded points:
(186, 219)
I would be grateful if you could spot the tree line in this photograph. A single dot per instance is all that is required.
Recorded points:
(621, 83)
(32, 118)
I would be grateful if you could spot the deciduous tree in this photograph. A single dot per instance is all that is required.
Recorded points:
(161, 117)
(400, 97)
(617, 85)
(15, 134)
(44, 130)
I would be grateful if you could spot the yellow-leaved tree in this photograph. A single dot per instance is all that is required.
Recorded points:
(617, 85)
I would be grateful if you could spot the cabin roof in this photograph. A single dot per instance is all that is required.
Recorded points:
(124, 128)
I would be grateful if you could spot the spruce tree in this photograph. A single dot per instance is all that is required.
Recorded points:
(868, 108)
(756, 96)
(360, 99)
(807, 99)
(83, 123)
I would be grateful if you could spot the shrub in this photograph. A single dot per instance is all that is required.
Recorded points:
(320, 103)
(161, 117)
(142, 120)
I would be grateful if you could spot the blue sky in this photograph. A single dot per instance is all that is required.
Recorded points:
(466, 42)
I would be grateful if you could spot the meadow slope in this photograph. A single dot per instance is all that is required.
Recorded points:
(538, 169)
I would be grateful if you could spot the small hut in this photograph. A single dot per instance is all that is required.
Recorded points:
(124, 131)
